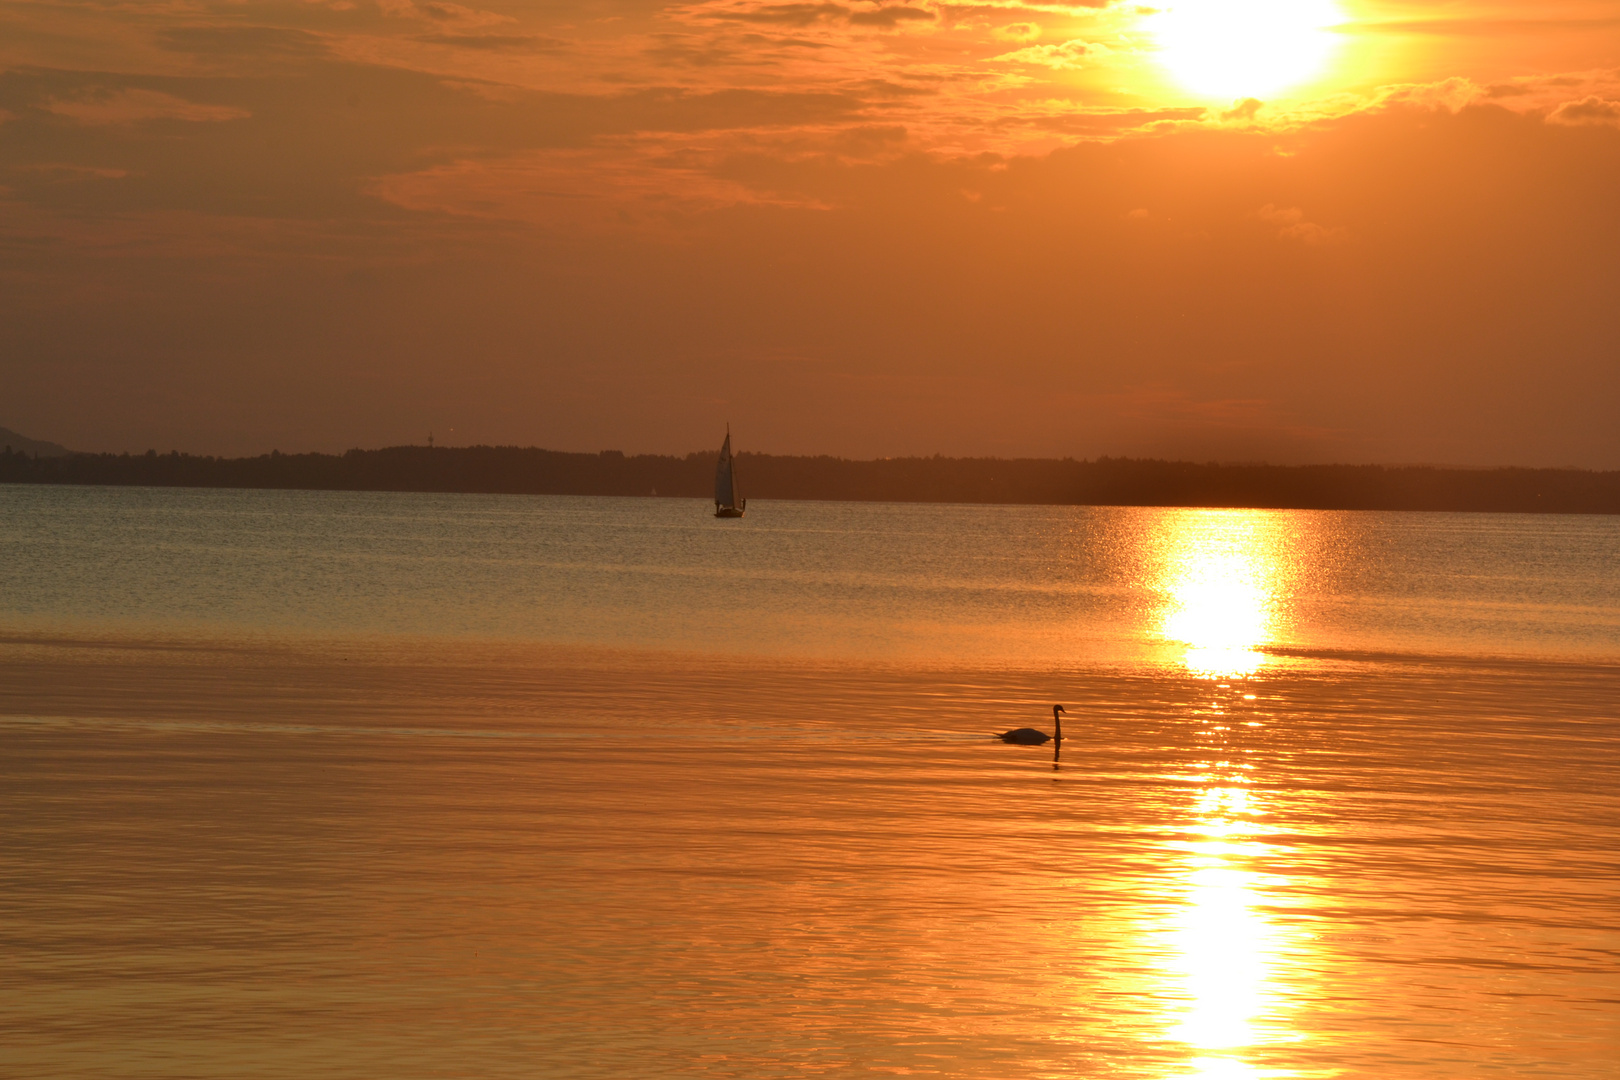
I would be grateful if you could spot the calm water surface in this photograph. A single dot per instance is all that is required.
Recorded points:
(403, 785)
(1026, 585)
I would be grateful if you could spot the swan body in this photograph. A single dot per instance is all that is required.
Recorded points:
(1028, 736)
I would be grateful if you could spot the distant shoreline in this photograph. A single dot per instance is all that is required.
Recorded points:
(1019, 481)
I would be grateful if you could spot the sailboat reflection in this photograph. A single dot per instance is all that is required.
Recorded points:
(1220, 579)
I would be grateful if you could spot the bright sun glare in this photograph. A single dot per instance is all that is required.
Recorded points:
(1220, 583)
(1245, 48)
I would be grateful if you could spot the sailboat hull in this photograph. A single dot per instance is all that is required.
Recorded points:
(728, 511)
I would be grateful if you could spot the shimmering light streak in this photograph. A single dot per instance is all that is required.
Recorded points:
(1225, 954)
(1220, 581)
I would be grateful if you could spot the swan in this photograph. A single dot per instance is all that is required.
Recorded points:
(1028, 736)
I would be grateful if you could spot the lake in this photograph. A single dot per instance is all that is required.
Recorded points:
(360, 784)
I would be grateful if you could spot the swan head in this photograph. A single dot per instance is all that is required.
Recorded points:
(1057, 709)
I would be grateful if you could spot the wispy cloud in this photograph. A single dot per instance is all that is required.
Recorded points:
(1068, 55)
(131, 106)
(1589, 110)
(1292, 225)
(507, 42)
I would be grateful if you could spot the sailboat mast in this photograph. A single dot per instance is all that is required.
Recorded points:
(726, 503)
(722, 473)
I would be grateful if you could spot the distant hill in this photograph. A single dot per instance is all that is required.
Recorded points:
(1103, 482)
(22, 444)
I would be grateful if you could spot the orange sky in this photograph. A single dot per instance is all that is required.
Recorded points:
(1292, 230)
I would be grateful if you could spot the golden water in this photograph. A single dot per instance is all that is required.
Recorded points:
(1279, 841)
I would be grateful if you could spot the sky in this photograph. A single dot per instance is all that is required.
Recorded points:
(1238, 230)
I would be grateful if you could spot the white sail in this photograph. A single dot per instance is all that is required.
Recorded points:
(725, 487)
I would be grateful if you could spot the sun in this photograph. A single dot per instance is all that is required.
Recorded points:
(1245, 48)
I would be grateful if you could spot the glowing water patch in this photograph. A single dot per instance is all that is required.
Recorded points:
(1225, 953)
(1220, 584)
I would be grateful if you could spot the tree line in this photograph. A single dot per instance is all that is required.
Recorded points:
(1101, 482)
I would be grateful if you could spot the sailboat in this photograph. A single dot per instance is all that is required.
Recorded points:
(726, 503)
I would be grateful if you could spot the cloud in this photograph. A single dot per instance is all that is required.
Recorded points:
(76, 171)
(1115, 122)
(462, 15)
(1163, 401)
(495, 42)
(576, 190)
(959, 12)
(890, 16)
(1589, 110)
(699, 51)
(1244, 109)
(1018, 31)
(236, 41)
(1449, 94)
(1529, 95)
(866, 141)
(1291, 225)
(882, 16)
(1483, 27)
(1069, 55)
(133, 106)
(784, 14)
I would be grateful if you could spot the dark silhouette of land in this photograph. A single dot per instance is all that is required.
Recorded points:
(31, 446)
(1103, 482)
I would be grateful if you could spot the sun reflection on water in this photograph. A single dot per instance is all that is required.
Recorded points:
(1222, 578)
(1221, 582)
(1225, 953)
